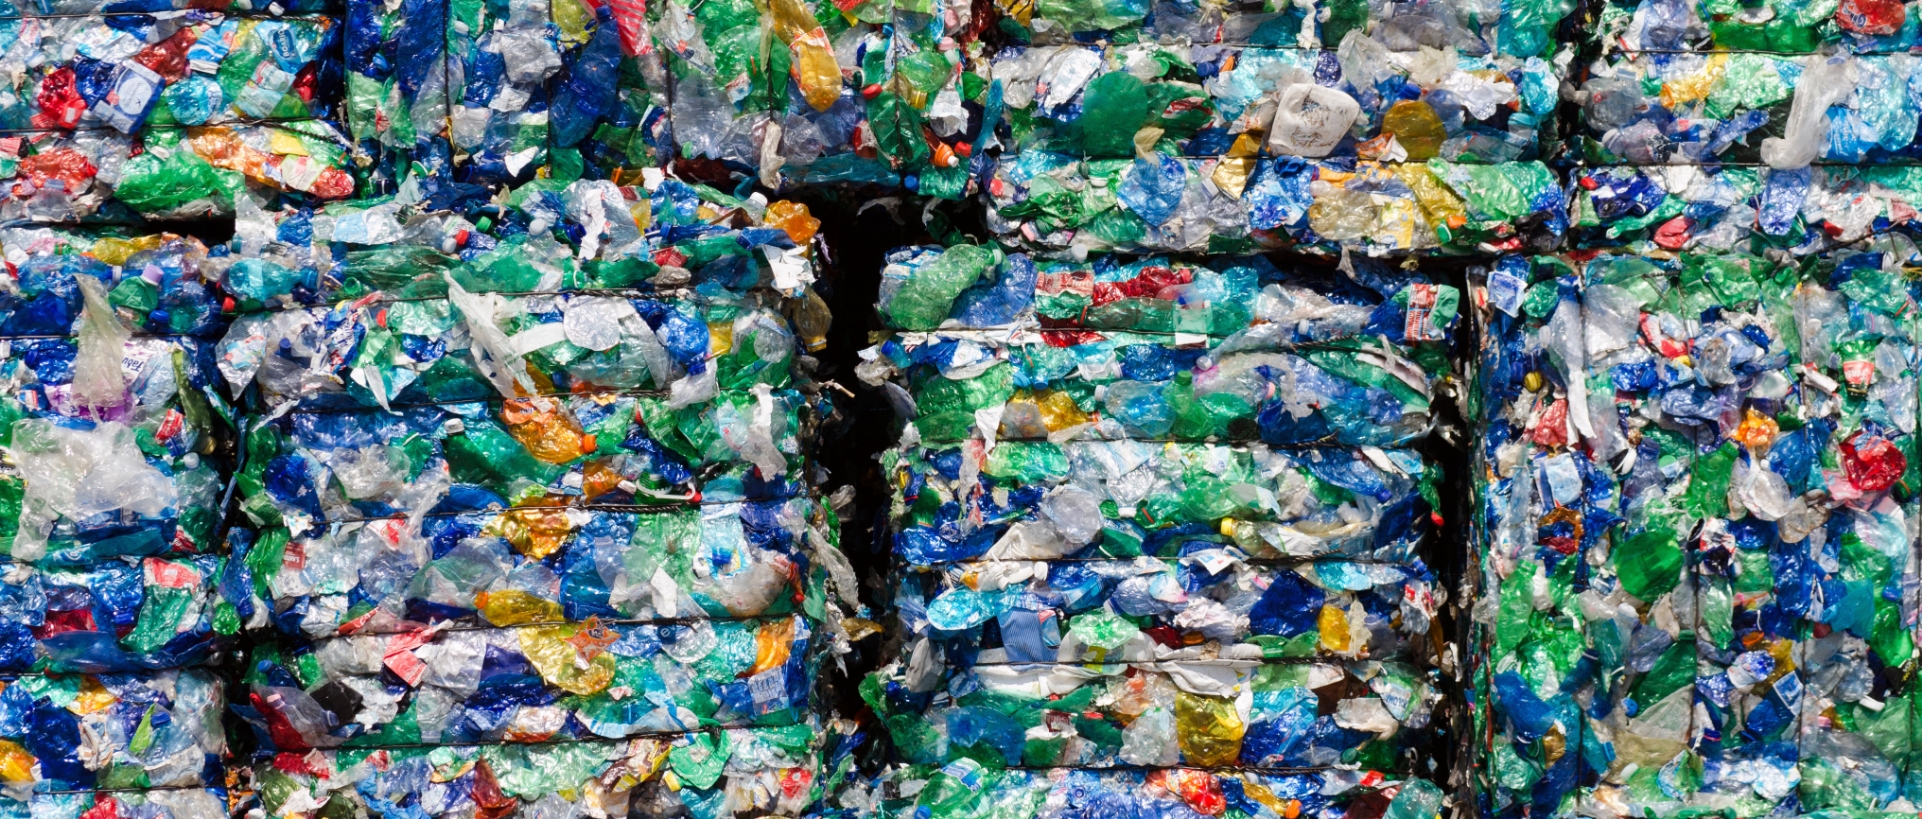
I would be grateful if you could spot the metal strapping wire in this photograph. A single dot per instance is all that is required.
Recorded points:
(455, 402)
(1262, 770)
(342, 301)
(170, 14)
(1329, 442)
(611, 508)
(218, 789)
(561, 741)
(282, 123)
(1224, 661)
(136, 334)
(1252, 561)
(642, 621)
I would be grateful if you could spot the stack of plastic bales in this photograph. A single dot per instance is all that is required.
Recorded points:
(1159, 538)
(533, 520)
(1696, 487)
(107, 115)
(1699, 572)
(115, 569)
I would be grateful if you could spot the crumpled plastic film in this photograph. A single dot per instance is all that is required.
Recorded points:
(738, 772)
(138, 73)
(1165, 202)
(104, 175)
(160, 729)
(1697, 521)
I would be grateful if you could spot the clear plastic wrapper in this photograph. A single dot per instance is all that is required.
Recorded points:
(135, 73)
(170, 172)
(1696, 512)
(745, 772)
(158, 729)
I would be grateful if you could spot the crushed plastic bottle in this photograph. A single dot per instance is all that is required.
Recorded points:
(1364, 100)
(1730, 208)
(170, 172)
(1515, 27)
(169, 803)
(135, 72)
(1047, 201)
(1694, 499)
(400, 79)
(160, 729)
